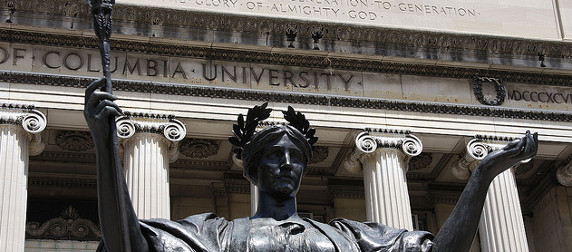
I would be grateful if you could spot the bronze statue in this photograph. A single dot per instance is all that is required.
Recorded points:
(275, 159)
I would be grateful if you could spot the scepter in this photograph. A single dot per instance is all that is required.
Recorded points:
(101, 11)
(116, 240)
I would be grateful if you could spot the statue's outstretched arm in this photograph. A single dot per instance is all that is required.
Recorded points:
(119, 223)
(458, 232)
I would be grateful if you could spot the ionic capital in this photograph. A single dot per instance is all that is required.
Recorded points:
(564, 173)
(30, 119)
(372, 140)
(476, 150)
(166, 125)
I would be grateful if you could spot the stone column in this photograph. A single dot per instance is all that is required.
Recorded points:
(20, 128)
(383, 156)
(150, 143)
(501, 227)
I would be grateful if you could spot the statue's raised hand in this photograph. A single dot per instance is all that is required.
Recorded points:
(100, 111)
(516, 151)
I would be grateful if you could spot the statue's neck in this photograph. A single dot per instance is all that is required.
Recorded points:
(276, 208)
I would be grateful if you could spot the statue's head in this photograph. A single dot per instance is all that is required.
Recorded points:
(274, 158)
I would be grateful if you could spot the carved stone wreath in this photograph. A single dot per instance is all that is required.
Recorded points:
(198, 148)
(76, 141)
(499, 88)
(421, 161)
(320, 153)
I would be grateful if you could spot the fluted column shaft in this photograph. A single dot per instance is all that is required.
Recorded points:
(150, 143)
(146, 160)
(19, 138)
(383, 156)
(13, 187)
(501, 226)
(386, 194)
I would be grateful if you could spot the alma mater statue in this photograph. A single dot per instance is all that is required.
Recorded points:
(275, 159)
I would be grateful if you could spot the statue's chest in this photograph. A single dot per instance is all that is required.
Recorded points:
(287, 236)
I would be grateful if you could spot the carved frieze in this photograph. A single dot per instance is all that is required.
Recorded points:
(76, 141)
(69, 226)
(320, 153)
(347, 191)
(198, 148)
(62, 182)
(161, 18)
(421, 161)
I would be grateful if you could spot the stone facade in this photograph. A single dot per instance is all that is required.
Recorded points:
(422, 79)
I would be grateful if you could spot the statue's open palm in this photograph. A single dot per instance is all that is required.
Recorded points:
(516, 151)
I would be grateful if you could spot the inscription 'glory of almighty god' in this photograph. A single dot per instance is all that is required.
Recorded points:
(528, 19)
(358, 10)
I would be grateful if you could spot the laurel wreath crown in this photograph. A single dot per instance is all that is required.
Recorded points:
(243, 131)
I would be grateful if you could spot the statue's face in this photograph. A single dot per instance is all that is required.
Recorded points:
(281, 168)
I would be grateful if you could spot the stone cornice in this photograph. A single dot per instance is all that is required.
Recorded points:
(74, 14)
(295, 57)
(293, 98)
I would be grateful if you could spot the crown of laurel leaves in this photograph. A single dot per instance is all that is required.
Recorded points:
(243, 131)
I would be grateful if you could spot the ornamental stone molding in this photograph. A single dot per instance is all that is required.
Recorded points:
(564, 173)
(346, 191)
(69, 226)
(76, 141)
(31, 120)
(476, 150)
(319, 154)
(172, 129)
(74, 13)
(420, 162)
(373, 139)
(198, 148)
